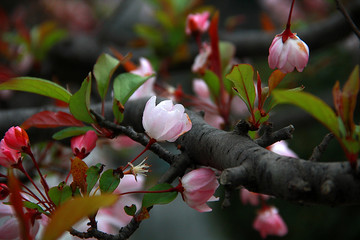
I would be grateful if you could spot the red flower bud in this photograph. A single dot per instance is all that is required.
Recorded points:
(8, 156)
(82, 145)
(17, 138)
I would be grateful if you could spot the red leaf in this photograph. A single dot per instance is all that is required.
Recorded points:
(215, 52)
(48, 119)
(17, 204)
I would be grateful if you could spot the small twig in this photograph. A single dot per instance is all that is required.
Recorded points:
(319, 150)
(269, 138)
(227, 197)
(138, 137)
(342, 9)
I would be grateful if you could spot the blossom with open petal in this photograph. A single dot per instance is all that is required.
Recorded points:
(282, 148)
(8, 156)
(269, 222)
(251, 197)
(199, 187)
(82, 145)
(197, 23)
(288, 51)
(17, 138)
(147, 88)
(165, 121)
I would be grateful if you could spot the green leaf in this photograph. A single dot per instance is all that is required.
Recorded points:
(37, 86)
(151, 199)
(79, 104)
(70, 132)
(60, 193)
(32, 205)
(227, 52)
(311, 104)
(104, 68)
(213, 82)
(130, 210)
(109, 181)
(260, 119)
(242, 75)
(125, 85)
(73, 211)
(92, 176)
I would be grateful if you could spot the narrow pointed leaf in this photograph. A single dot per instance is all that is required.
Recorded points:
(312, 105)
(37, 86)
(242, 75)
(79, 104)
(104, 68)
(151, 199)
(213, 82)
(49, 119)
(349, 97)
(275, 78)
(92, 176)
(73, 211)
(70, 132)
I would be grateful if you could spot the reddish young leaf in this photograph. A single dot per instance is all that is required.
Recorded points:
(275, 78)
(215, 52)
(48, 119)
(78, 171)
(17, 204)
(337, 98)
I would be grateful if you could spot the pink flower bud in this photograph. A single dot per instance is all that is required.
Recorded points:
(8, 156)
(82, 145)
(199, 186)
(251, 197)
(165, 121)
(201, 60)
(17, 138)
(197, 23)
(288, 51)
(269, 222)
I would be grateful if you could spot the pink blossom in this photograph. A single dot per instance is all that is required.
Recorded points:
(146, 89)
(251, 197)
(197, 23)
(165, 121)
(82, 145)
(212, 116)
(17, 138)
(199, 187)
(9, 228)
(121, 142)
(282, 148)
(8, 156)
(269, 222)
(288, 51)
(201, 60)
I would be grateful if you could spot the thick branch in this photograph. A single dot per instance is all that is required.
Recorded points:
(244, 162)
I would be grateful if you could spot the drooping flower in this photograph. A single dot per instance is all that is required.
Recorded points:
(251, 197)
(165, 121)
(288, 51)
(269, 222)
(199, 187)
(147, 88)
(282, 148)
(8, 156)
(17, 138)
(197, 23)
(82, 145)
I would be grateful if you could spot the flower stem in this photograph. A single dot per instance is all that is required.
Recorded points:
(147, 147)
(178, 188)
(290, 14)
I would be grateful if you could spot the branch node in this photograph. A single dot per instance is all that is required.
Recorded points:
(227, 197)
(327, 187)
(299, 185)
(269, 138)
(242, 128)
(320, 149)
